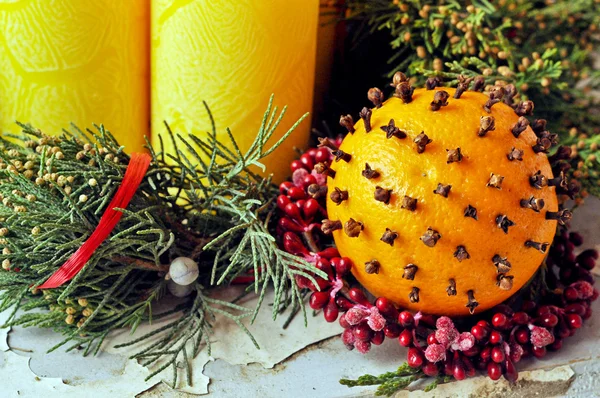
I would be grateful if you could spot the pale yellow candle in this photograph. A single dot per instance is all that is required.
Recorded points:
(233, 54)
(80, 61)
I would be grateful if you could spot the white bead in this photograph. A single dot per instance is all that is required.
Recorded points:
(183, 271)
(179, 290)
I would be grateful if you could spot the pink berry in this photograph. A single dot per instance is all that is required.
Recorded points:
(362, 346)
(375, 320)
(540, 337)
(356, 315)
(463, 342)
(585, 290)
(348, 338)
(435, 353)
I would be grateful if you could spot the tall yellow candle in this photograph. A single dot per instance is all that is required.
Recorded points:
(233, 55)
(80, 61)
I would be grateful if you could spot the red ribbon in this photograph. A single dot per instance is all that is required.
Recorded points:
(136, 170)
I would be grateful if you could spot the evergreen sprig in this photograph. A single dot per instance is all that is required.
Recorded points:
(205, 201)
(544, 48)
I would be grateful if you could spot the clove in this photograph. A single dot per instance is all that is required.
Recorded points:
(562, 216)
(453, 155)
(519, 126)
(461, 253)
(382, 195)
(440, 98)
(470, 211)
(515, 154)
(533, 204)
(502, 264)
(451, 289)
(540, 246)
(404, 91)
(409, 203)
(463, 85)
(389, 237)
(365, 115)
(433, 82)
(372, 267)
(413, 296)
(495, 181)
(503, 222)
(347, 122)
(352, 228)
(376, 96)
(338, 196)
(410, 271)
(369, 173)
(398, 78)
(392, 131)
(504, 282)
(559, 181)
(422, 141)
(524, 108)
(539, 125)
(510, 92)
(486, 124)
(326, 143)
(479, 83)
(442, 189)
(496, 95)
(317, 191)
(542, 145)
(538, 180)
(328, 226)
(341, 155)
(430, 237)
(562, 153)
(471, 302)
(322, 168)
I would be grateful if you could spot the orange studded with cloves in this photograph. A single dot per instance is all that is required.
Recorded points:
(445, 196)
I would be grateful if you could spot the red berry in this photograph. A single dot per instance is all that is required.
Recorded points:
(431, 339)
(324, 265)
(522, 336)
(296, 193)
(571, 294)
(285, 186)
(331, 311)
(588, 313)
(312, 152)
(363, 332)
(539, 352)
(574, 321)
(405, 338)
(342, 265)
(343, 322)
(382, 304)
(430, 369)
(479, 332)
(318, 300)
(282, 202)
(473, 351)
(521, 318)
(391, 330)
(575, 308)
(292, 211)
(307, 161)
(458, 370)
(414, 358)
(528, 306)
(289, 225)
(406, 318)
(486, 353)
(378, 338)
(499, 320)
(496, 337)
(498, 355)
(557, 345)
(586, 262)
(295, 165)
(310, 208)
(358, 296)
(343, 303)
(548, 320)
(544, 309)
(322, 155)
(494, 370)
(576, 238)
(308, 180)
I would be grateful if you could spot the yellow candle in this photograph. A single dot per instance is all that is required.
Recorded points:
(80, 61)
(233, 55)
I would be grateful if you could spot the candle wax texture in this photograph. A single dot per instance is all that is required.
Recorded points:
(80, 61)
(234, 55)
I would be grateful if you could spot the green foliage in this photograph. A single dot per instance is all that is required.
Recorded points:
(544, 48)
(204, 202)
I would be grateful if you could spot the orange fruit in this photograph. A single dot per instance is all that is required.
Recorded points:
(457, 228)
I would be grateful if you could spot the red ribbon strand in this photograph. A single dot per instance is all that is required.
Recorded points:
(136, 170)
